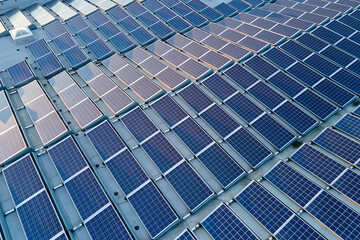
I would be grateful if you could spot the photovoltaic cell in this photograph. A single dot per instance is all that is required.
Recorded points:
(339, 145)
(186, 235)
(196, 98)
(266, 209)
(286, 84)
(67, 158)
(139, 124)
(162, 152)
(169, 110)
(240, 76)
(278, 57)
(292, 183)
(105, 140)
(219, 87)
(189, 185)
(295, 117)
(127, 171)
(350, 125)
(222, 223)
(273, 131)
(221, 165)
(87, 194)
(115, 228)
(192, 135)
(349, 185)
(249, 147)
(335, 215)
(305, 74)
(20, 73)
(26, 185)
(266, 95)
(334, 92)
(244, 107)
(153, 210)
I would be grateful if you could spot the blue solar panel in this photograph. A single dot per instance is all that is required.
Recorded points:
(249, 147)
(268, 210)
(86, 193)
(76, 56)
(142, 36)
(311, 42)
(316, 104)
(280, 58)
(39, 212)
(153, 210)
(129, 24)
(88, 35)
(318, 163)
(334, 92)
(77, 23)
(219, 87)
(169, 110)
(224, 224)
(242, 77)
(221, 165)
(196, 19)
(244, 107)
(292, 183)
(261, 67)
(98, 18)
(211, 14)
(340, 28)
(105, 140)
(189, 185)
(25, 185)
(20, 73)
(305, 74)
(297, 228)
(178, 23)
(335, 215)
(296, 50)
(226, 9)
(186, 235)
(350, 21)
(279, 136)
(162, 152)
(192, 135)
(54, 29)
(165, 13)
(136, 8)
(337, 56)
(349, 47)
(321, 64)
(118, 13)
(266, 95)
(100, 49)
(161, 30)
(220, 121)
(339, 145)
(109, 29)
(349, 185)
(122, 43)
(140, 126)
(296, 118)
(64, 42)
(49, 65)
(38, 49)
(127, 171)
(347, 80)
(357, 111)
(115, 228)
(239, 5)
(67, 158)
(286, 84)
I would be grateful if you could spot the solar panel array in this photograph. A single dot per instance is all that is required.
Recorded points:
(180, 103)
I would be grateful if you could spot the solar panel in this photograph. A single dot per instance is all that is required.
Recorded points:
(67, 158)
(266, 95)
(140, 126)
(221, 165)
(54, 29)
(146, 89)
(357, 111)
(20, 73)
(316, 105)
(127, 171)
(244, 107)
(304, 74)
(192, 135)
(186, 235)
(286, 84)
(226, 9)
(105, 140)
(296, 50)
(39, 211)
(240, 76)
(64, 42)
(153, 210)
(261, 67)
(318, 163)
(348, 80)
(279, 136)
(219, 87)
(350, 125)
(196, 98)
(115, 227)
(338, 144)
(223, 223)
(251, 149)
(292, 183)
(348, 184)
(168, 110)
(28, 184)
(335, 215)
(86, 193)
(296, 118)
(278, 57)
(162, 152)
(189, 185)
(296, 228)
(264, 207)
